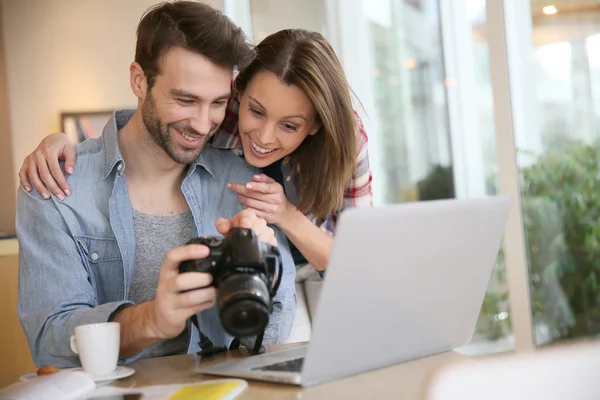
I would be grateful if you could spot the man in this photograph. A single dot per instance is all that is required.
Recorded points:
(111, 250)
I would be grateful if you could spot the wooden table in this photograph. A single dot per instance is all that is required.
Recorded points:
(405, 381)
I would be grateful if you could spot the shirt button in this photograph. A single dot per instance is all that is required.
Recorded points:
(119, 167)
(94, 256)
(287, 178)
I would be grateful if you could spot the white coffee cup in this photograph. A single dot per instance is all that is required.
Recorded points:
(97, 346)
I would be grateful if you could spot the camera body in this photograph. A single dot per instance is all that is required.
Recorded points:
(246, 273)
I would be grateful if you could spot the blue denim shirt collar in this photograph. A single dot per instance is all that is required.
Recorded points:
(110, 141)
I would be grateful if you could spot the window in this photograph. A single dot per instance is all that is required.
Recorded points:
(472, 97)
(429, 136)
(559, 172)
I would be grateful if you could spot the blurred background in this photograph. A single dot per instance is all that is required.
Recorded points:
(429, 76)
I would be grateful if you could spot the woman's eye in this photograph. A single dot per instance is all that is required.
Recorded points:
(255, 112)
(289, 127)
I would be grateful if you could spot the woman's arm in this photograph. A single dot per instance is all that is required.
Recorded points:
(42, 169)
(313, 243)
(267, 199)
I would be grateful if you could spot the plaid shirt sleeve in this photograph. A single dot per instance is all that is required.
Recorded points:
(227, 135)
(358, 192)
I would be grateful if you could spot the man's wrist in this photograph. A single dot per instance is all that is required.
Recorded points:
(114, 317)
(150, 324)
(140, 317)
(138, 328)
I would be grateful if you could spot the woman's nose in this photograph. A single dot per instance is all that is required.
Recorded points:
(267, 133)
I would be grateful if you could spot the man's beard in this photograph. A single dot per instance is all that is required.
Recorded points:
(161, 134)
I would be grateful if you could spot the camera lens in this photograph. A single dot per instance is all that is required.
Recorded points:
(243, 304)
(245, 318)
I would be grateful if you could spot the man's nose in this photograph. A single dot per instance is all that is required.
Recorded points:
(201, 122)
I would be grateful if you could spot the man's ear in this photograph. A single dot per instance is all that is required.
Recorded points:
(137, 80)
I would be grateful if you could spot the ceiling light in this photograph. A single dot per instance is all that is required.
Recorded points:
(549, 10)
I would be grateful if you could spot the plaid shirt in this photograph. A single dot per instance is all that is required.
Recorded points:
(358, 192)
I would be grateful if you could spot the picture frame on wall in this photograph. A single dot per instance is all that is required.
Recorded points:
(80, 126)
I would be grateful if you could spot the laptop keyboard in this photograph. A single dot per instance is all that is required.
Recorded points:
(294, 365)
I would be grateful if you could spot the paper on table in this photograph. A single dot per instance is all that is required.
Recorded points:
(67, 385)
(219, 389)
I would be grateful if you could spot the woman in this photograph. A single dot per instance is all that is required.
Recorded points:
(291, 115)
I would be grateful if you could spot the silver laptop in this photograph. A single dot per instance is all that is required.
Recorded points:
(404, 281)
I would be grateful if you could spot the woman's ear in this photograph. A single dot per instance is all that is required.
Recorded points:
(137, 80)
(315, 128)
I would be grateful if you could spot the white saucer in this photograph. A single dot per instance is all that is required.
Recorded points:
(28, 377)
(119, 373)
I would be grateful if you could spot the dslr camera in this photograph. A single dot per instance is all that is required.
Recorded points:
(246, 273)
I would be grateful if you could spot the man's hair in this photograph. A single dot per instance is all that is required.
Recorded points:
(193, 26)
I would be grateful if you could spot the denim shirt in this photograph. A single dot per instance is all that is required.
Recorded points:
(77, 255)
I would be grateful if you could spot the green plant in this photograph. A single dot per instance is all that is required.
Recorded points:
(494, 319)
(438, 184)
(561, 204)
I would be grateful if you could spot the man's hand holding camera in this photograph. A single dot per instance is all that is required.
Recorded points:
(179, 296)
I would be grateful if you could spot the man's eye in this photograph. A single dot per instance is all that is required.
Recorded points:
(186, 101)
(220, 103)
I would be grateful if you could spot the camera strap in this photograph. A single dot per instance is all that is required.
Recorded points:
(207, 347)
(279, 272)
(258, 348)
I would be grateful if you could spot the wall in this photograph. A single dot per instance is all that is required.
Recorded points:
(63, 55)
(55, 56)
(269, 16)
(7, 171)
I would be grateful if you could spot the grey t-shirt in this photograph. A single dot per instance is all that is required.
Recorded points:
(154, 237)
